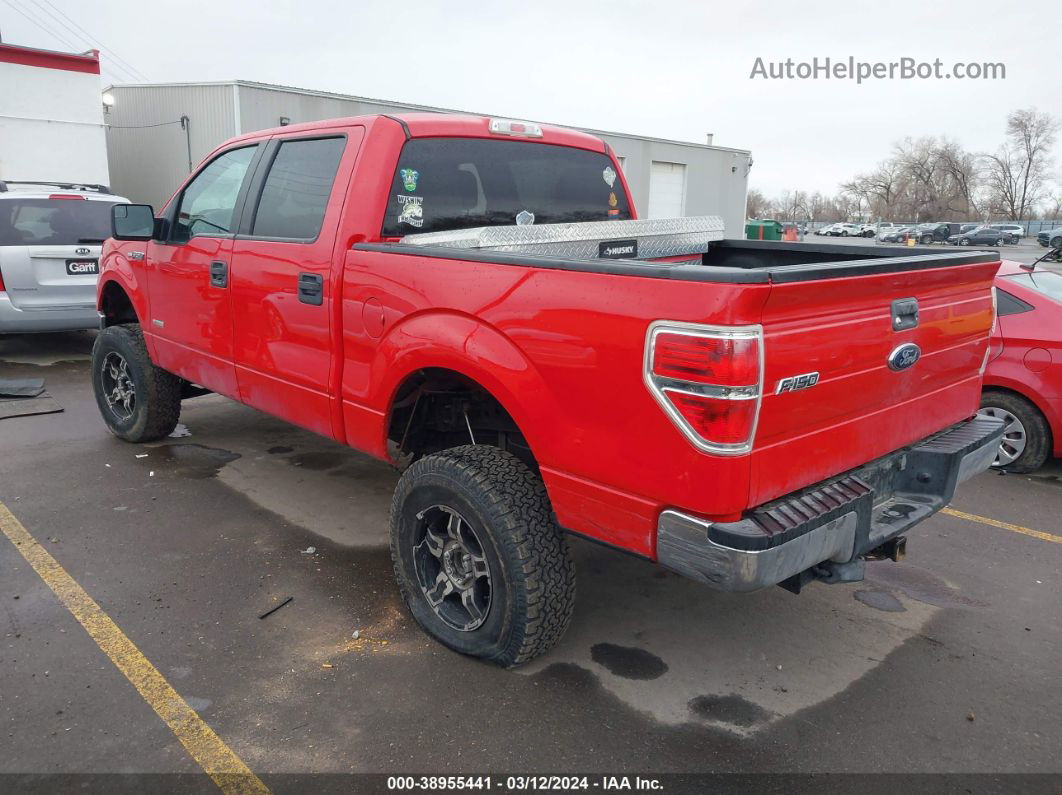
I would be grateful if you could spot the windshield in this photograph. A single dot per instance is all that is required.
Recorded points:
(459, 183)
(1047, 283)
(54, 222)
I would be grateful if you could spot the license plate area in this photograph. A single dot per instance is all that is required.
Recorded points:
(82, 267)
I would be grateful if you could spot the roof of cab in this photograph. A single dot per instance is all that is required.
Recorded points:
(439, 125)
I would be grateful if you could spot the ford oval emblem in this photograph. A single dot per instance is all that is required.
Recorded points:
(904, 356)
(82, 251)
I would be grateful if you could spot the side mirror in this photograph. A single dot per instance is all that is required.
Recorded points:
(132, 222)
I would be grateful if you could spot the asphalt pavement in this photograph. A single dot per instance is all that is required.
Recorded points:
(946, 662)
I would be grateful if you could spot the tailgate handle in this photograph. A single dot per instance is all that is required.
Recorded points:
(219, 274)
(904, 313)
(311, 288)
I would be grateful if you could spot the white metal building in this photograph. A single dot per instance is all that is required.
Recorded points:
(157, 132)
(51, 116)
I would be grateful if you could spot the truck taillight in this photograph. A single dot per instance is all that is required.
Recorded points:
(708, 379)
(2, 288)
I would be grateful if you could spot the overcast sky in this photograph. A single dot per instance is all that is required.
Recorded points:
(666, 68)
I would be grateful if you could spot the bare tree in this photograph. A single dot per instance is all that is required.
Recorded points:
(756, 204)
(964, 171)
(1018, 171)
(1053, 208)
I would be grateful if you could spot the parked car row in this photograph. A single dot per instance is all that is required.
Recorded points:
(847, 230)
(951, 233)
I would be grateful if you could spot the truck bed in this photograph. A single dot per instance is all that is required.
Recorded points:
(725, 261)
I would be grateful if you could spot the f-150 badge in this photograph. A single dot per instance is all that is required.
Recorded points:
(795, 382)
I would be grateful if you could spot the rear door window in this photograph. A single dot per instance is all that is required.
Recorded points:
(54, 222)
(459, 183)
(296, 190)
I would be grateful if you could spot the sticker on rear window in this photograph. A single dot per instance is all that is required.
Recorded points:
(524, 218)
(412, 210)
(609, 176)
(409, 178)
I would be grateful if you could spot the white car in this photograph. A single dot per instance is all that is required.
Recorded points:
(51, 235)
(1016, 231)
(846, 230)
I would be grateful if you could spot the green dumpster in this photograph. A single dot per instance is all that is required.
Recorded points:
(764, 229)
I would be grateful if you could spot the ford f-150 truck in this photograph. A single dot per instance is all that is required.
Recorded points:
(475, 301)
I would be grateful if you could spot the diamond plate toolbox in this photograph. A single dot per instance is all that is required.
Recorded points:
(660, 237)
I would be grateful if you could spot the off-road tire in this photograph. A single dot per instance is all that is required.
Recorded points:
(531, 570)
(1037, 431)
(158, 393)
(1056, 242)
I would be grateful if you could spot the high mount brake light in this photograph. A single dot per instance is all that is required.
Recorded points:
(65, 196)
(708, 380)
(520, 129)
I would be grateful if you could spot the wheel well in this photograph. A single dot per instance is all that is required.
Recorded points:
(116, 306)
(436, 409)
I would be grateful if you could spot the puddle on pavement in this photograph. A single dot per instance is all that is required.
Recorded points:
(732, 709)
(193, 461)
(918, 584)
(880, 600)
(628, 662)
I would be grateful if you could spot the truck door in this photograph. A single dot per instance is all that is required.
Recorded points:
(282, 277)
(188, 274)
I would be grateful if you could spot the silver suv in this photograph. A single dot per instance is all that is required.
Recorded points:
(50, 240)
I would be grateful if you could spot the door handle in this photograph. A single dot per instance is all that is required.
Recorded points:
(904, 313)
(311, 289)
(219, 274)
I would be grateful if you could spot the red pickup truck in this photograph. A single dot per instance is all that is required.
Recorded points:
(475, 301)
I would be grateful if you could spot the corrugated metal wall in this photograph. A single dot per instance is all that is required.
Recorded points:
(148, 150)
(148, 164)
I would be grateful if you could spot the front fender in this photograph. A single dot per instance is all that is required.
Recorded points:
(117, 269)
(478, 351)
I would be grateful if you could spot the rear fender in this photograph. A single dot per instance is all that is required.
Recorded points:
(476, 350)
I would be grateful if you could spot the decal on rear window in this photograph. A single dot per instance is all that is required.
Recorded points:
(409, 178)
(412, 210)
(609, 175)
(524, 218)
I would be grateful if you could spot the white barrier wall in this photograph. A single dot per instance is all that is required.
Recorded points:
(51, 117)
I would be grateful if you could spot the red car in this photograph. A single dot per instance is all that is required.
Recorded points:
(1023, 381)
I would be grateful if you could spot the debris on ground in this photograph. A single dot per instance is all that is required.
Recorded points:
(21, 387)
(275, 608)
(356, 634)
(308, 550)
(141, 455)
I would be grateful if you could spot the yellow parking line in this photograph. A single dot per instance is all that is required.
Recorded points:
(1017, 528)
(206, 748)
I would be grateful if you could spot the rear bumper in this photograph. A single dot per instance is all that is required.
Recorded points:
(838, 520)
(57, 318)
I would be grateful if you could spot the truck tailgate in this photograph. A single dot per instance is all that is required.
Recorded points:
(858, 407)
